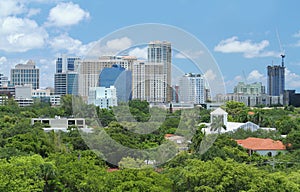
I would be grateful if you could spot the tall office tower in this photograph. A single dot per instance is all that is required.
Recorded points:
(276, 79)
(66, 83)
(24, 74)
(64, 63)
(3, 80)
(66, 77)
(161, 53)
(192, 89)
(118, 77)
(89, 70)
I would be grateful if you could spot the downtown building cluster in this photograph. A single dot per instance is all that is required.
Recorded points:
(108, 80)
(254, 94)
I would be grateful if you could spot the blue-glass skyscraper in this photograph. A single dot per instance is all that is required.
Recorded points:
(120, 78)
(65, 63)
(66, 78)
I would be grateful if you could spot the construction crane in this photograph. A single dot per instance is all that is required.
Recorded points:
(282, 52)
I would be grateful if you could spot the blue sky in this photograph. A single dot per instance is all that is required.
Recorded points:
(242, 36)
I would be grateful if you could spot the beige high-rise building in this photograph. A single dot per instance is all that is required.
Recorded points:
(151, 80)
(161, 52)
(148, 82)
(89, 70)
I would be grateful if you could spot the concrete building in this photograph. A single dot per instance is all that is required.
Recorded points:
(250, 89)
(3, 80)
(291, 98)
(89, 70)
(160, 52)
(23, 91)
(103, 97)
(60, 124)
(24, 74)
(276, 79)
(251, 100)
(148, 82)
(44, 95)
(23, 95)
(192, 89)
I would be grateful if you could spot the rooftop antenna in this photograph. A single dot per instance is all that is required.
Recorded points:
(282, 52)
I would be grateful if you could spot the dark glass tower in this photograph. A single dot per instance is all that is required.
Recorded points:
(276, 79)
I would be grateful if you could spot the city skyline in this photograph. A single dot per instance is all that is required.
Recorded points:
(242, 37)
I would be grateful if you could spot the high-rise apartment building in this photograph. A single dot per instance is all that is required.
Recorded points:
(66, 76)
(160, 53)
(148, 82)
(276, 79)
(192, 89)
(24, 74)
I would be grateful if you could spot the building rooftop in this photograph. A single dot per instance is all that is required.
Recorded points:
(261, 144)
(219, 111)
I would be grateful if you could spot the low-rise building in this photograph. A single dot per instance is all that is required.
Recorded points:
(103, 97)
(219, 124)
(261, 146)
(61, 123)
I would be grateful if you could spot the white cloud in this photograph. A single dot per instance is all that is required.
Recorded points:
(188, 54)
(2, 60)
(297, 35)
(72, 46)
(33, 12)
(210, 75)
(119, 44)
(21, 34)
(248, 48)
(292, 80)
(256, 76)
(140, 53)
(11, 7)
(66, 14)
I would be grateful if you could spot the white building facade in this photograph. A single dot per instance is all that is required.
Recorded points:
(192, 89)
(103, 97)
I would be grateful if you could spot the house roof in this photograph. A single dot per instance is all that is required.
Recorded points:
(261, 144)
(219, 111)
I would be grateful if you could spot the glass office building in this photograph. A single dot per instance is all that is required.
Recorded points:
(118, 77)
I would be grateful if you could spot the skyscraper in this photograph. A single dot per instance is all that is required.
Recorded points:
(160, 52)
(192, 89)
(276, 79)
(148, 82)
(66, 78)
(24, 74)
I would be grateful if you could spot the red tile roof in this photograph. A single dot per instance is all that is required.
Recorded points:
(261, 144)
(169, 135)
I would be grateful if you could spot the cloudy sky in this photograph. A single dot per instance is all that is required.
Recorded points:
(243, 37)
